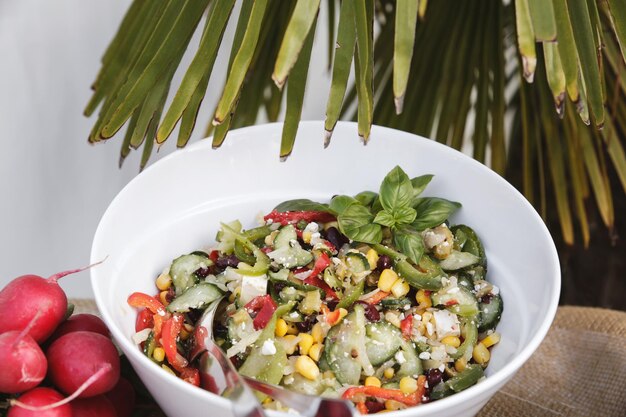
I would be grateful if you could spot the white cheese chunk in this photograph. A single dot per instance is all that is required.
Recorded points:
(446, 324)
(268, 348)
(252, 287)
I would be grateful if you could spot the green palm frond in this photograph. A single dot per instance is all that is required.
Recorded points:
(533, 88)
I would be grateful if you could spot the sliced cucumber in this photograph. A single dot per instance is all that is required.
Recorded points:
(467, 240)
(288, 252)
(395, 303)
(458, 260)
(461, 302)
(198, 296)
(357, 263)
(183, 271)
(383, 341)
(412, 365)
(490, 313)
(303, 385)
(149, 345)
(345, 348)
(469, 331)
(331, 279)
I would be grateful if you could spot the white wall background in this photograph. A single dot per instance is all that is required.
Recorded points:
(54, 187)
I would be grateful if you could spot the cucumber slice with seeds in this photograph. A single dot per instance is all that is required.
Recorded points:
(183, 271)
(198, 296)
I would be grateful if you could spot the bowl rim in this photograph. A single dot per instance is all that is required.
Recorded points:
(487, 385)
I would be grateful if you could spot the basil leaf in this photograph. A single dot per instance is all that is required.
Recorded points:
(356, 223)
(385, 218)
(396, 190)
(301, 204)
(420, 183)
(410, 243)
(340, 202)
(432, 211)
(404, 215)
(367, 198)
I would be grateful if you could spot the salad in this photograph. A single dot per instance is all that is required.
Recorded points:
(374, 298)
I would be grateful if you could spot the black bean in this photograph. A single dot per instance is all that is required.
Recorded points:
(371, 313)
(230, 260)
(335, 237)
(384, 262)
(332, 304)
(202, 272)
(374, 406)
(307, 323)
(433, 376)
(486, 299)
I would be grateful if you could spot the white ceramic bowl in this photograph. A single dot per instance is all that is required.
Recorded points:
(175, 207)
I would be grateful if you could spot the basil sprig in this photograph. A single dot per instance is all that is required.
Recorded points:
(397, 206)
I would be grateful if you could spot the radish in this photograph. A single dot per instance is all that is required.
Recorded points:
(47, 402)
(39, 397)
(80, 322)
(24, 365)
(74, 357)
(98, 406)
(24, 296)
(122, 396)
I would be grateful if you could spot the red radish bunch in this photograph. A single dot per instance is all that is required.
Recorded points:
(80, 361)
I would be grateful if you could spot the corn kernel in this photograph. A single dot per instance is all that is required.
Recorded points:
(233, 296)
(387, 278)
(389, 373)
(342, 313)
(292, 329)
(318, 333)
(328, 375)
(423, 299)
(393, 317)
(305, 343)
(307, 368)
(481, 354)
(163, 298)
(491, 340)
(400, 288)
(240, 316)
(184, 334)
(408, 385)
(290, 342)
(281, 328)
(392, 405)
(460, 364)
(453, 341)
(158, 354)
(306, 236)
(315, 352)
(163, 282)
(372, 258)
(372, 381)
(168, 369)
(267, 401)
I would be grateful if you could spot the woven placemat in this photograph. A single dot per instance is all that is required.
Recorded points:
(579, 369)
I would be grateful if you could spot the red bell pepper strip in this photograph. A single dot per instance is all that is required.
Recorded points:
(377, 298)
(332, 317)
(406, 326)
(171, 329)
(144, 320)
(214, 255)
(321, 263)
(362, 408)
(264, 307)
(290, 217)
(316, 282)
(415, 398)
(139, 299)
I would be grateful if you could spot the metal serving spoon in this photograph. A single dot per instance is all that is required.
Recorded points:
(306, 405)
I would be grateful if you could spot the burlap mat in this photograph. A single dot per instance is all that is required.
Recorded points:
(579, 369)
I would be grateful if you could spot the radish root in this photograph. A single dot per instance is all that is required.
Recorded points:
(105, 368)
(59, 275)
(27, 328)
